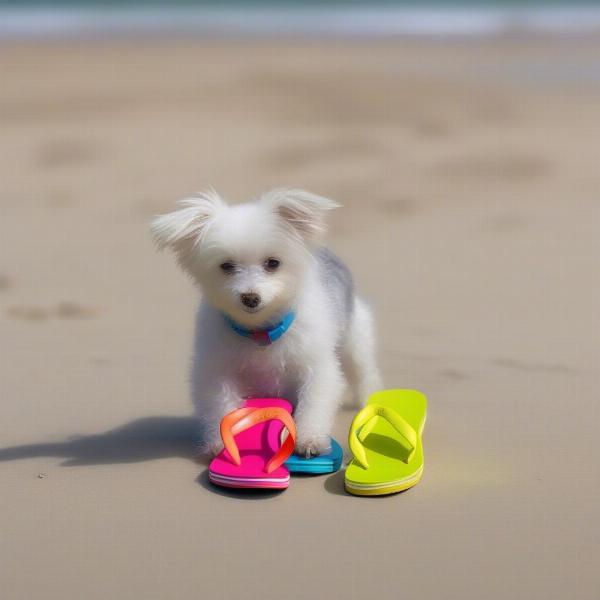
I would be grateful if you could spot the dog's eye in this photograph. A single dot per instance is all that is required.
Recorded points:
(272, 264)
(227, 267)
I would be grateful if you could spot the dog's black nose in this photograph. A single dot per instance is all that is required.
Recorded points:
(250, 300)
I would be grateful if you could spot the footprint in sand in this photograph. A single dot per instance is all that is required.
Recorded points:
(533, 367)
(72, 310)
(100, 361)
(300, 155)
(511, 166)
(453, 375)
(65, 152)
(58, 199)
(430, 127)
(398, 205)
(64, 310)
(28, 313)
(505, 223)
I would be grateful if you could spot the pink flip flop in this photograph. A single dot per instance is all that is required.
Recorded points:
(254, 454)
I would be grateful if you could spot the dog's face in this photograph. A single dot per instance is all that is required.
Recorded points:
(247, 264)
(249, 259)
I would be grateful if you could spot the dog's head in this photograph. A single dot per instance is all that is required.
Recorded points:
(249, 259)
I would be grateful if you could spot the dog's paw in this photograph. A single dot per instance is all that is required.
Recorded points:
(312, 445)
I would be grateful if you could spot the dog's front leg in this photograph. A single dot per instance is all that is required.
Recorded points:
(318, 400)
(213, 399)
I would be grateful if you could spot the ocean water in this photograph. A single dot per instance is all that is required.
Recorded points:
(288, 18)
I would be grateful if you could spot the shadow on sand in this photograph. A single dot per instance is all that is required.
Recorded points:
(149, 438)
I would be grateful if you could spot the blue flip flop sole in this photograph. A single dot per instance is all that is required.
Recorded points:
(317, 465)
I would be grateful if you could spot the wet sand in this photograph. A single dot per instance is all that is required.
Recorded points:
(469, 177)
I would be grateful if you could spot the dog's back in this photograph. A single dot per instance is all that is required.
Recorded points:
(337, 280)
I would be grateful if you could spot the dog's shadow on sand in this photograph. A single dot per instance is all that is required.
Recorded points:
(149, 438)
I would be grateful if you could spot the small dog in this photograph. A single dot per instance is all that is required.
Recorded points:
(279, 317)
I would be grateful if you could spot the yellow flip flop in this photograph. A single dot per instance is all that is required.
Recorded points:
(385, 440)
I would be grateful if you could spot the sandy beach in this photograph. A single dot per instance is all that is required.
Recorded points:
(468, 174)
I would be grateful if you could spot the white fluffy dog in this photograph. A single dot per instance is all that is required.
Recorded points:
(279, 317)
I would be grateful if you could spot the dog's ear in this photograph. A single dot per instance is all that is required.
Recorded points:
(303, 211)
(185, 226)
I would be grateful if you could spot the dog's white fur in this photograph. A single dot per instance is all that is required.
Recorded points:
(305, 365)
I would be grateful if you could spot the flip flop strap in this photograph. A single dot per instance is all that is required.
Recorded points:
(244, 418)
(368, 413)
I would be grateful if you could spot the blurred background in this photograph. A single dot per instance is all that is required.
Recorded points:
(463, 140)
(291, 17)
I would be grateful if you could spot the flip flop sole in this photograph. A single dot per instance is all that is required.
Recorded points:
(382, 489)
(249, 482)
(317, 465)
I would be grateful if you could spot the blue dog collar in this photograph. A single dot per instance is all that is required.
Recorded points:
(263, 337)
